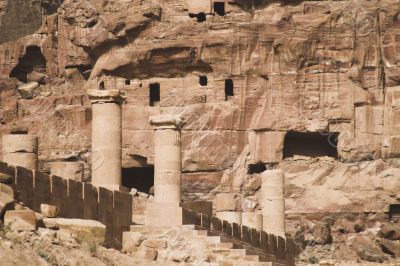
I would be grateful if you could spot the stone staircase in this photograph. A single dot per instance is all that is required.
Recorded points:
(227, 251)
(205, 247)
(220, 242)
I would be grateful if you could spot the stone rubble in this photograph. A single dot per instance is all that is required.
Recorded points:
(49, 211)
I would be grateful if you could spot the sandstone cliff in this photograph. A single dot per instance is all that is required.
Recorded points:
(261, 84)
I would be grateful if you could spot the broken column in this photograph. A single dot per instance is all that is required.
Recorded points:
(21, 150)
(225, 204)
(252, 220)
(273, 202)
(250, 217)
(106, 138)
(165, 210)
(67, 170)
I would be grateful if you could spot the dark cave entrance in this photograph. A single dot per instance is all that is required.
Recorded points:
(33, 60)
(394, 211)
(228, 89)
(154, 93)
(141, 178)
(50, 7)
(256, 168)
(310, 144)
(102, 86)
(219, 8)
(201, 17)
(203, 81)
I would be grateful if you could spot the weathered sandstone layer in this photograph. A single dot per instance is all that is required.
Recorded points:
(308, 87)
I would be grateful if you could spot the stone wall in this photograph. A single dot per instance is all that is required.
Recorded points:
(74, 200)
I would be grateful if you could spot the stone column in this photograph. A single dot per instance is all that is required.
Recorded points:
(250, 217)
(167, 158)
(21, 150)
(252, 220)
(106, 138)
(273, 202)
(165, 210)
(67, 170)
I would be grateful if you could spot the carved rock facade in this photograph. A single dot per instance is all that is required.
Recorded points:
(261, 85)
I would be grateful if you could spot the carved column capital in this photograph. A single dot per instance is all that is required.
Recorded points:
(167, 121)
(105, 96)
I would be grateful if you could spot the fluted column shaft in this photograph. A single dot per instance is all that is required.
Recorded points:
(106, 138)
(167, 159)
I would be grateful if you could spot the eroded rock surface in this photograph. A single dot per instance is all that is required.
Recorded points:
(309, 87)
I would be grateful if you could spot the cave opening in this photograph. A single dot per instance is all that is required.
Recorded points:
(394, 211)
(203, 81)
(141, 178)
(228, 89)
(102, 86)
(154, 93)
(310, 144)
(86, 70)
(50, 7)
(92, 23)
(201, 17)
(219, 8)
(256, 168)
(32, 61)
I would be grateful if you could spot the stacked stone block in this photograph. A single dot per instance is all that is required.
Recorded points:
(21, 150)
(226, 208)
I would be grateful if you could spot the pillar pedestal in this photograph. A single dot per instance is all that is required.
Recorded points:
(106, 138)
(21, 150)
(165, 210)
(273, 202)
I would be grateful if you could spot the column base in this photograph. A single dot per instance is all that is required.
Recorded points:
(163, 214)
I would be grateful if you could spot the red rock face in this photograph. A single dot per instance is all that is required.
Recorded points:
(328, 72)
(18, 19)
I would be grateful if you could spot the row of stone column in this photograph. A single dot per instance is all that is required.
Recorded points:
(107, 156)
(107, 147)
(272, 217)
(21, 150)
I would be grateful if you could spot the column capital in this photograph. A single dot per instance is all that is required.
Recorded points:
(105, 96)
(167, 121)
